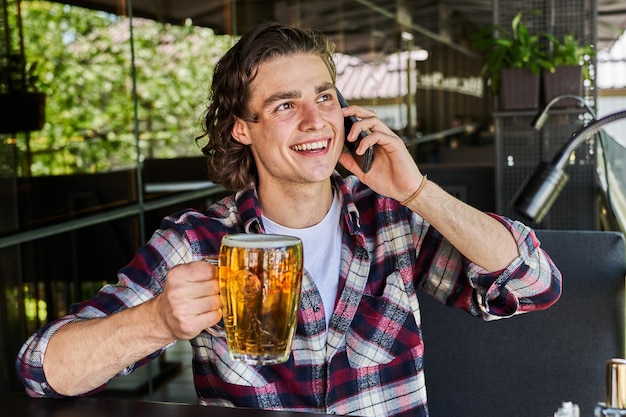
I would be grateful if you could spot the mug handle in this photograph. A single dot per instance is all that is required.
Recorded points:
(215, 330)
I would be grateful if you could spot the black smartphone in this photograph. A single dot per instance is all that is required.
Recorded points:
(365, 160)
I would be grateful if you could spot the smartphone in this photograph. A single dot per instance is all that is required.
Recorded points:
(365, 160)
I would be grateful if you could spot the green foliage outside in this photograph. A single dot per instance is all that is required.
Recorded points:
(83, 64)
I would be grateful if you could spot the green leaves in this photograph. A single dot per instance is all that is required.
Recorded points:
(570, 51)
(514, 47)
(84, 67)
(517, 47)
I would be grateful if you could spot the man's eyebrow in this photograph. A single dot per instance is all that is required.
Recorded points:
(324, 87)
(283, 95)
(286, 95)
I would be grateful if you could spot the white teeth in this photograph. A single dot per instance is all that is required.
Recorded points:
(311, 146)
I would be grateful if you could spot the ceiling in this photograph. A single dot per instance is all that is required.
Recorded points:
(365, 28)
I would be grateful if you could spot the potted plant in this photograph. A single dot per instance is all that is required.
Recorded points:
(21, 104)
(570, 60)
(514, 58)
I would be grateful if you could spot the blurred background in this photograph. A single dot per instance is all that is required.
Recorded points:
(101, 102)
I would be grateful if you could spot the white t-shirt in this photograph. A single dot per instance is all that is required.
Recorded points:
(321, 244)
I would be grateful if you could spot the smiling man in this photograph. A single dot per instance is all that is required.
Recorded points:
(274, 134)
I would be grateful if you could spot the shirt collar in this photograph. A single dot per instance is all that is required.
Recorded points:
(249, 209)
(351, 214)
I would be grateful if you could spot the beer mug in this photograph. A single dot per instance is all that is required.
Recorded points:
(260, 278)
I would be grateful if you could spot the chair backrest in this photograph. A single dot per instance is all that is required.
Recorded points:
(528, 365)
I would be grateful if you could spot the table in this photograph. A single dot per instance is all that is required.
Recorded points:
(20, 405)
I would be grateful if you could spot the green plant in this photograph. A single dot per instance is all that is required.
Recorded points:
(570, 51)
(513, 47)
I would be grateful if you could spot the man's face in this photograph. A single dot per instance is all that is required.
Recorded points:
(298, 135)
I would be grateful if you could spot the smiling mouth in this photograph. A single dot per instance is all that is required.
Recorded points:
(312, 146)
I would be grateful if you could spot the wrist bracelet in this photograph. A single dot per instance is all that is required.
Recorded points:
(417, 192)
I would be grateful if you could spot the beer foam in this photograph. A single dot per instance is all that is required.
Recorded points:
(249, 240)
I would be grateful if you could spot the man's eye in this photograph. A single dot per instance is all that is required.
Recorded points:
(284, 106)
(325, 97)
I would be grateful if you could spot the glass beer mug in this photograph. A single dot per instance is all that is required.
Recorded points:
(260, 278)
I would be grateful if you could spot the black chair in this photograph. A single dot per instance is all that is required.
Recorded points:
(527, 365)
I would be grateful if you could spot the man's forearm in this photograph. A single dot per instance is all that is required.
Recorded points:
(82, 356)
(478, 236)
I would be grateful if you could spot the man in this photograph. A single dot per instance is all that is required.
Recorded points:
(275, 134)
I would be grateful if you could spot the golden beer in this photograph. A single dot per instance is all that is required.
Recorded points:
(260, 279)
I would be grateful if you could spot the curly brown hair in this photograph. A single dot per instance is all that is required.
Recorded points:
(230, 163)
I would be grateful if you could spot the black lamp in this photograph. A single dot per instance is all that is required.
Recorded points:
(535, 197)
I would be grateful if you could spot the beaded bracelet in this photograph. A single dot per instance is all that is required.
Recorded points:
(416, 193)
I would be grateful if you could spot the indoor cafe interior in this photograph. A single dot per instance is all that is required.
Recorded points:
(99, 109)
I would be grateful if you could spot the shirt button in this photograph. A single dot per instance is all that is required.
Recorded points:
(316, 308)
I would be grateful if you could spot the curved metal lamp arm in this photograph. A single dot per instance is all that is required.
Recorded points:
(535, 197)
(582, 135)
(542, 116)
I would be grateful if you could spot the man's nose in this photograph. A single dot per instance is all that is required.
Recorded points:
(311, 118)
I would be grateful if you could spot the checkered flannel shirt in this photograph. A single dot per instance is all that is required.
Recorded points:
(370, 359)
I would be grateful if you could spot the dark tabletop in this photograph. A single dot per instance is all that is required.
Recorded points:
(20, 405)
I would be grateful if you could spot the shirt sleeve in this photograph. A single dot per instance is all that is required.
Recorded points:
(530, 282)
(139, 281)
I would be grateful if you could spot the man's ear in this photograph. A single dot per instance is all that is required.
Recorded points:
(240, 132)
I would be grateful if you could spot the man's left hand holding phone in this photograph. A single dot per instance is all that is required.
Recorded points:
(365, 160)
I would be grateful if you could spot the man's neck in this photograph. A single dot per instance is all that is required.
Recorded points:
(296, 207)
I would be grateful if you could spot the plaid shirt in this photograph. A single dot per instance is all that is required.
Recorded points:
(370, 361)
